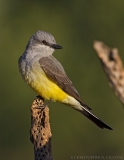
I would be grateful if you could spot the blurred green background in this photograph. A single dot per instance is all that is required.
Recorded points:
(75, 25)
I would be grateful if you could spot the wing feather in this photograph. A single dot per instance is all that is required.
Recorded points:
(55, 72)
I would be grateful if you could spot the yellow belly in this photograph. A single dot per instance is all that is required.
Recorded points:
(45, 87)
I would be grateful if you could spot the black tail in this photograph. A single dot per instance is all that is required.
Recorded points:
(94, 119)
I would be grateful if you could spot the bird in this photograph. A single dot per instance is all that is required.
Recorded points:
(47, 77)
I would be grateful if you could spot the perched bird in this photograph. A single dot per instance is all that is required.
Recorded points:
(42, 72)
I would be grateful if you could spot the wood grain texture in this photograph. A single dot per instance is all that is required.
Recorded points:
(113, 67)
(40, 133)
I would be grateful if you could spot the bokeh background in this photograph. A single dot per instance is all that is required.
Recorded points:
(75, 25)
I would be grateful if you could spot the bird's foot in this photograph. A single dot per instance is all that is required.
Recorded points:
(39, 99)
(49, 102)
(40, 107)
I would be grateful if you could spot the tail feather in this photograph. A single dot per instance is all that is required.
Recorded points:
(95, 119)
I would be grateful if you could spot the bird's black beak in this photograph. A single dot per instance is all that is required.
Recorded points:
(56, 46)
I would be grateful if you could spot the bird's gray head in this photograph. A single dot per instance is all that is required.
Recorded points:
(43, 42)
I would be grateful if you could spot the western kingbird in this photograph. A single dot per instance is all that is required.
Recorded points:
(47, 77)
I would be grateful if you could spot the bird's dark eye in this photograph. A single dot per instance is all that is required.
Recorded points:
(44, 42)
